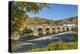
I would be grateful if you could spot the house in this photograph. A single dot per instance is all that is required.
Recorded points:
(69, 24)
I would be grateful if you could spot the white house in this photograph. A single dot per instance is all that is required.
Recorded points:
(69, 24)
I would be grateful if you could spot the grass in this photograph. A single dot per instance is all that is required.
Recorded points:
(58, 46)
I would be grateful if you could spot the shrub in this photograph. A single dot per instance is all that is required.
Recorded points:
(74, 37)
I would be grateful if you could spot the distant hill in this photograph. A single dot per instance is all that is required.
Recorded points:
(40, 21)
(71, 19)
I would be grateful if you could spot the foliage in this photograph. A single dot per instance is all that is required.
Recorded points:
(19, 14)
(58, 46)
(74, 37)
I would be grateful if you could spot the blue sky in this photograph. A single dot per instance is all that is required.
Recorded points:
(57, 11)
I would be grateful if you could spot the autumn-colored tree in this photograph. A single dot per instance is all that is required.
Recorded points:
(19, 14)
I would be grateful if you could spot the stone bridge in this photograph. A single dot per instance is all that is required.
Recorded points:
(45, 29)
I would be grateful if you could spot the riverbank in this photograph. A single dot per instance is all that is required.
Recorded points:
(42, 42)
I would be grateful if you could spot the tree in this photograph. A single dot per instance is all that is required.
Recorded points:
(19, 14)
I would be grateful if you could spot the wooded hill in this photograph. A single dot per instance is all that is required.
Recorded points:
(41, 21)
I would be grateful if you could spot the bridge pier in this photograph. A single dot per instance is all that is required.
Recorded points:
(44, 31)
(61, 29)
(65, 29)
(70, 28)
(51, 31)
(56, 30)
(35, 33)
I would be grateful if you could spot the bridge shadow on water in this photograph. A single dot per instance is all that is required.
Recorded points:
(26, 45)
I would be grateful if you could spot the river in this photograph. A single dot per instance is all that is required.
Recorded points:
(26, 45)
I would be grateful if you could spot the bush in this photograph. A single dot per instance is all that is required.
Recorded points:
(74, 37)
(13, 45)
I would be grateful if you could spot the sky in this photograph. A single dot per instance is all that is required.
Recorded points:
(57, 12)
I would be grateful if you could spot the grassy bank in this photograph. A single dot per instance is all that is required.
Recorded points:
(58, 46)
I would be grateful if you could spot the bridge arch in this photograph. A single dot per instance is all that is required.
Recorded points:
(53, 30)
(67, 29)
(58, 28)
(40, 31)
(63, 29)
(47, 30)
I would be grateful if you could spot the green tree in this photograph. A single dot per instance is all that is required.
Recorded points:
(19, 14)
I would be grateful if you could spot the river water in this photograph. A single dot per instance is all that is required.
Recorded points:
(26, 45)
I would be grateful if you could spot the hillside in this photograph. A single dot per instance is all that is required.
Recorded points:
(71, 19)
(41, 21)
